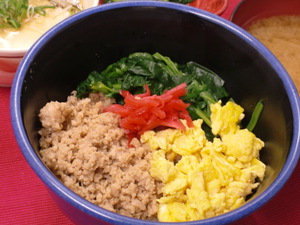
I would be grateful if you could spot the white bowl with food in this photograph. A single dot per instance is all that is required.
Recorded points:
(22, 22)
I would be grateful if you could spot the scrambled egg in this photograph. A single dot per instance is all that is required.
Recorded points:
(201, 178)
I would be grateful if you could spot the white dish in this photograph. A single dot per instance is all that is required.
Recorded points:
(10, 58)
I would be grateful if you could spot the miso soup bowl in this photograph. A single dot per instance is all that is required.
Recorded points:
(249, 11)
(97, 37)
(10, 58)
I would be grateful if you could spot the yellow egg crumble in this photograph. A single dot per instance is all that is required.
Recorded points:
(201, 178)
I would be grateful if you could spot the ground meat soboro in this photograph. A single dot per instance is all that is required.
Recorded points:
(89, 153)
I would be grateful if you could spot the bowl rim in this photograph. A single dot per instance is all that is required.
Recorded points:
(12, 53)
(110, 217)
(235, 9)
(242, 6)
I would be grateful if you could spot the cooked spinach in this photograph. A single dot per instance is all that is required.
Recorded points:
(255, 115)
(160, 73)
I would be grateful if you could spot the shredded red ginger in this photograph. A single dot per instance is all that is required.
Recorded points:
(143, 112)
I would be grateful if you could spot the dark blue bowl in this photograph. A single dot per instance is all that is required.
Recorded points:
(97, 37)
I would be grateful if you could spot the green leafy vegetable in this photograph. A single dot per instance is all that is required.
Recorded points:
(14, 12)
(255, 116)
(160, 73)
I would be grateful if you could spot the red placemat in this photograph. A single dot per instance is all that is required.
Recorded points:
(25, 201)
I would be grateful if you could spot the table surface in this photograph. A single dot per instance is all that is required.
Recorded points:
(24, 200)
